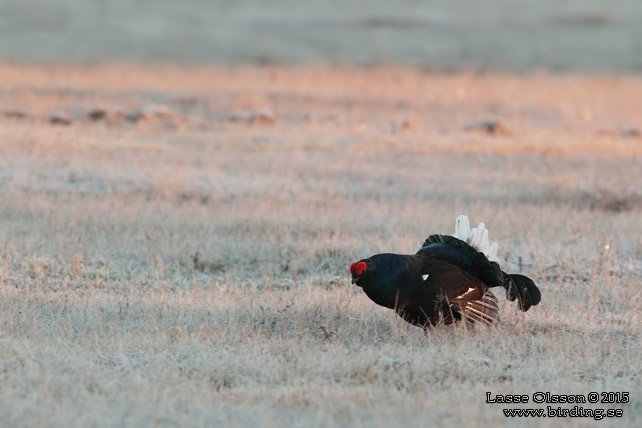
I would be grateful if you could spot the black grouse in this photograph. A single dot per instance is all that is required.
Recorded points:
(449, 279)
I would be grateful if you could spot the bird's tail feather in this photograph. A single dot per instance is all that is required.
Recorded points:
(517, 286)
(523, 289)
(476, 237)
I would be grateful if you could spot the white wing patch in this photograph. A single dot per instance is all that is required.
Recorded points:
(463, 295)
(425, 276)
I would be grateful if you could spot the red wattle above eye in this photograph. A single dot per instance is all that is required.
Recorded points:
(352, 267)
(359, 268)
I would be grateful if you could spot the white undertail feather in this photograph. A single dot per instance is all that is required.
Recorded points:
(476, 237)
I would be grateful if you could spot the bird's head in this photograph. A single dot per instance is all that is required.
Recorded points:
(360, 271)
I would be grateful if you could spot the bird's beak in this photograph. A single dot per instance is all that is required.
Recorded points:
(355, 280)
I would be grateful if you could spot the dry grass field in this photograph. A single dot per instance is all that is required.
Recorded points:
(175, 243)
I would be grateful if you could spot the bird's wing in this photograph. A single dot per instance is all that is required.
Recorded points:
(458, 253)
(464, 294)
(481, 309)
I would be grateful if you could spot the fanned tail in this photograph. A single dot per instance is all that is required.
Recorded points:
(476, 237)
(523, 289)
(517, 286)
(487, 271)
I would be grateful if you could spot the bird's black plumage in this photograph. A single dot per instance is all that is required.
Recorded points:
(445, 281)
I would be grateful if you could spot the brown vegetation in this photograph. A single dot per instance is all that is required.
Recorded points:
(181, 257)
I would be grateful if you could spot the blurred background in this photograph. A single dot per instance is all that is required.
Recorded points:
(176, 231)
(570, 35)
